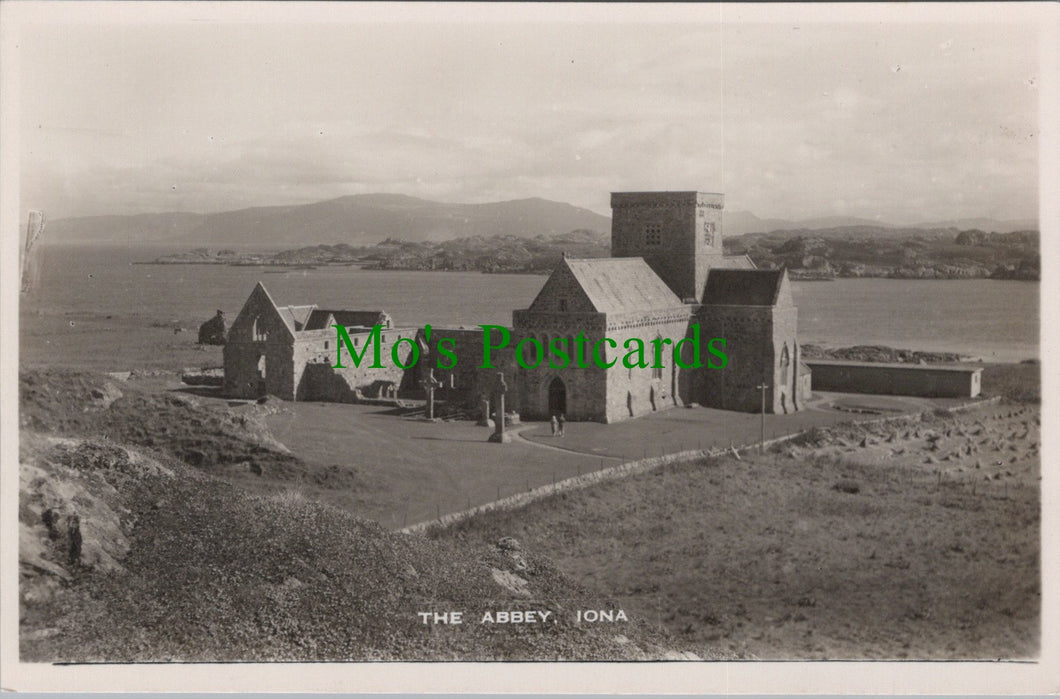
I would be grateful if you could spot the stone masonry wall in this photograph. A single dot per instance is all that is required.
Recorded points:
(313, 361)
(750, 349)
(466, 382)
(756, 338)
(785, 396)
(638, 391)
(257, 356)
(586, 389)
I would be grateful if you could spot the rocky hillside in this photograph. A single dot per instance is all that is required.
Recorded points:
(899, 254)
(503, 253)
(128, 553)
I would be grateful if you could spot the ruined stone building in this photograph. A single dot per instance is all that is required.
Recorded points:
(667, 273)
(289, 352)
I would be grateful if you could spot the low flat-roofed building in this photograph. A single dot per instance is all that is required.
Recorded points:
(922, 380)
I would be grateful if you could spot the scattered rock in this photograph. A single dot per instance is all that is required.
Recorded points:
(508, 543)
(104, 395)
(847, 486)
(511, 582)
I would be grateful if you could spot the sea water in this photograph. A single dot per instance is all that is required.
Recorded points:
(995, 320)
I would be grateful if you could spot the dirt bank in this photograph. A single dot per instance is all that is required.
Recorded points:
(130, 558)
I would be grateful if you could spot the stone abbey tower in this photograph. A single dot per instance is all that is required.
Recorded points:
(677, 233)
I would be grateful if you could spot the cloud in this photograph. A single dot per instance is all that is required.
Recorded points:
(788, 123)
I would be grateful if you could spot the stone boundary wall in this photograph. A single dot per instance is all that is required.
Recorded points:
(632, 468)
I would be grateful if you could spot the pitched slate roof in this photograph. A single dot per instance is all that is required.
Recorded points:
(318, 319)
(621, 284)
(743, 287)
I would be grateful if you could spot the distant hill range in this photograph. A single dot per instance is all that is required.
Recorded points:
(366, 219)
(359, 219)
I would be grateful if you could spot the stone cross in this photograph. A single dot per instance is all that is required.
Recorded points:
(485, 420)
(430, 384)
(499, 389)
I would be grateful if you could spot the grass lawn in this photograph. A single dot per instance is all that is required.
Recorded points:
(411, 470)
(408, 470)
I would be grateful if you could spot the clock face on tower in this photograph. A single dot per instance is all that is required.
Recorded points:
(708, 233)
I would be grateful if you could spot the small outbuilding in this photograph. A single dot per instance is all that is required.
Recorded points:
(921, 380)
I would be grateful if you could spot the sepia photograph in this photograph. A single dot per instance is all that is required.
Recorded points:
(697, 335)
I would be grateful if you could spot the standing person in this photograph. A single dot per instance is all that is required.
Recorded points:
(561, 422)
(555, 425)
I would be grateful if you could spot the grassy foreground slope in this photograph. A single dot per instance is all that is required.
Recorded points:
(914, 539)
(128, 553)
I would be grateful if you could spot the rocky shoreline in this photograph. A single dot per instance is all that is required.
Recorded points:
(818, 255)
(881, 353)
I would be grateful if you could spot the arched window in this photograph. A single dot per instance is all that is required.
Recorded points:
(785, 365)
(258, 331)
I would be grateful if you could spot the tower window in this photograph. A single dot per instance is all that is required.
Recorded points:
(563, 304)
(653, 234)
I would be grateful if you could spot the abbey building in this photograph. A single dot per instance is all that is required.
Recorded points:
(666, 274)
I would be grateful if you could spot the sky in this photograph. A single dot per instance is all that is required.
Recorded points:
(901, 121)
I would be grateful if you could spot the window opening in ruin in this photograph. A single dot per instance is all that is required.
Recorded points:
(258, 330)
(261, 375)
(563, 304)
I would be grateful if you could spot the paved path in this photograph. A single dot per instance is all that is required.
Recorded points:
(518, 433)
(681, 429)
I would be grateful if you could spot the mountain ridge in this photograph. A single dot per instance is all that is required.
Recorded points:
(370, 218)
